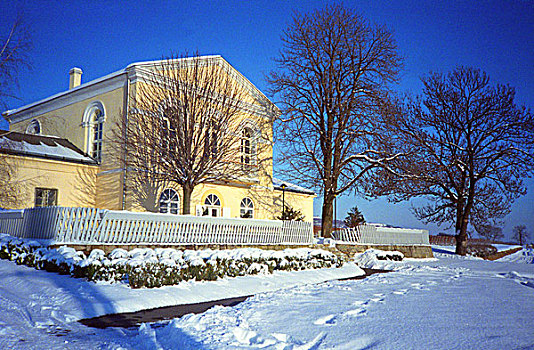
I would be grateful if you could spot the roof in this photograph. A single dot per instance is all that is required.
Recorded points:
(40, 146)
(131, 67)
(277, 184)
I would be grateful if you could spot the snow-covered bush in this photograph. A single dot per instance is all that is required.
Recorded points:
(145, 267)
(377, 259)
(481, 250)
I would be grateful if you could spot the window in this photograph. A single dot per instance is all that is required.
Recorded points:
(45, 197)
(247, 209)
(169, 202)
(93, 122)
(34, 127)
(247, 149)
(212, 206)
(168, 131)
(98, 125)
(211, 138)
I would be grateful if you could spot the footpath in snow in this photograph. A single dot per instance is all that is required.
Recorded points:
(444, 303)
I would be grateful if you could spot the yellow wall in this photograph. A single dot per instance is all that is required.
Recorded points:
(267, 202)
(74, 182)
(298, 201)
(66, 122)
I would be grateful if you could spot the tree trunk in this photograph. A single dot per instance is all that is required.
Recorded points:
(461, 234)
(186, 205)
(461, 241)
(327, 216)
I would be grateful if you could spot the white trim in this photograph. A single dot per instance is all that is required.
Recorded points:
(34, 124)
(89, 110)
(85, 91)
(174, 198)
(246, 208)
(109, 82)
(141, 72)
(142, 63)
(112, 171)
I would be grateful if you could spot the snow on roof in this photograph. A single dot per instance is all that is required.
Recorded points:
(277, 183)
(49, 147)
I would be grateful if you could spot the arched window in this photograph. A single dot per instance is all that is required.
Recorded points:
(169, 202)
(34, 127)
(212, 206)
(93, 122)
(247, 149)
(98, 126)
(247, 208)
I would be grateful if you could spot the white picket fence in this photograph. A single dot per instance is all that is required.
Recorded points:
(370, 234)
(98, 226)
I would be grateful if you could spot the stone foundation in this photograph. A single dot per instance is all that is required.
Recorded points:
(409, 251)
(108, 248)
(344, 251)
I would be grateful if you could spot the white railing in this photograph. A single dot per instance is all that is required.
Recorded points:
(98, 226)
(369, 234)
(11, 221)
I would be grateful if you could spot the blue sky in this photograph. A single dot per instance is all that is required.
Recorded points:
(104, 36)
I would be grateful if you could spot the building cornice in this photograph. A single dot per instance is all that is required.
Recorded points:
(85, 91)
(117, 79)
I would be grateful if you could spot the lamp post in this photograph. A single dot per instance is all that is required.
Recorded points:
(335, 211)
(283, 200)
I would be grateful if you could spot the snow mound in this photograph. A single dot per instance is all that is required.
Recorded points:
(524, 256)
(378, 259)
(326, 241)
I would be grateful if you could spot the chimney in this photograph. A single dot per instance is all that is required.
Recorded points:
(75, 77)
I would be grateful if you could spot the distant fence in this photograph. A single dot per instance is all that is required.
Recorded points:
(451, 240)
(369, 234)
(99, 226)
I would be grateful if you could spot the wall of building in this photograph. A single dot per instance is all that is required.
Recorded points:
(63, 117)
(267, 202)
(298, 201)
(74, 182)
(66, 121)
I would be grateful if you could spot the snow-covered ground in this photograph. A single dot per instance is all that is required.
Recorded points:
(503, 247)
(525, 256)
(443, 303)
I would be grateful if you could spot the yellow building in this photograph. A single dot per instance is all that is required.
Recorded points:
(79, 125)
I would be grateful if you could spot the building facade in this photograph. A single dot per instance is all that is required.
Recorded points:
(85, 119)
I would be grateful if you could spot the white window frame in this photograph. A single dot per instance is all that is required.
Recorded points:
(46, 197)
(98, 135)
(171, 202)
(246, 207)
(212, 206)
(93, 121)
(34, 127)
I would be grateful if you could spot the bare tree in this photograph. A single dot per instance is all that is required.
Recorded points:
(334, 72)
(9, 186)
(184, 126)
(521, 234)
(491, 230)
(470, 147)
(14, 48)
